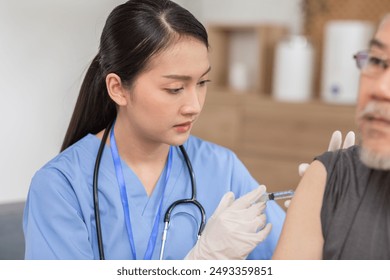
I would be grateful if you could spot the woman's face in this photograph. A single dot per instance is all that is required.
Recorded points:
(166, 100)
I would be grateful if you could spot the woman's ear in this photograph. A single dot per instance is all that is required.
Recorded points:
(116, 90)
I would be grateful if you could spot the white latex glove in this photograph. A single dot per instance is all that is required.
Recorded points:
(335, 143)
(234, 230)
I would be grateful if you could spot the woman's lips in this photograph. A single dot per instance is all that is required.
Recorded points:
(183, 127)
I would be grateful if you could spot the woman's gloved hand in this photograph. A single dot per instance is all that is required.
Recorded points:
(335, 143)
(234, 230)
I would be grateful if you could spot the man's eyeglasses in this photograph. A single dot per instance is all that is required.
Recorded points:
(370, 64)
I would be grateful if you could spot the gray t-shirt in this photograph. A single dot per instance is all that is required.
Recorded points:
(355, 214)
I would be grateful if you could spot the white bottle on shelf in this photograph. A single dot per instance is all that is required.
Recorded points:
(238, 77)
(340, 76)
(293, 70)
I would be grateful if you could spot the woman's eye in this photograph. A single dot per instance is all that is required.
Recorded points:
(204, 82)
(174, 90)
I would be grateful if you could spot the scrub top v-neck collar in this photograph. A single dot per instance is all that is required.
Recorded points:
(118, 163)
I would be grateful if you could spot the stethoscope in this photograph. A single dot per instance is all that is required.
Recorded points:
(167, 216)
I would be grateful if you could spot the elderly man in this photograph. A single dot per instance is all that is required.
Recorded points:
(341, 209)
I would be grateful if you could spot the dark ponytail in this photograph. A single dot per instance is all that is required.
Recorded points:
(94, 108)
(134, 32)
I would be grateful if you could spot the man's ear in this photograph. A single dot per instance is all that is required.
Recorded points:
(115, 89)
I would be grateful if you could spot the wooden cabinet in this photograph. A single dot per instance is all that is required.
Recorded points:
(257, 54)
(271, 138)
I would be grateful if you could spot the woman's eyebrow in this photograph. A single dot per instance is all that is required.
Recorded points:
(184, 77)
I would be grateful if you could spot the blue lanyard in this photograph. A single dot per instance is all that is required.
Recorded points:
(125, 203)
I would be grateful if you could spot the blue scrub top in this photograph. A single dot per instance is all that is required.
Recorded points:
(59, 220)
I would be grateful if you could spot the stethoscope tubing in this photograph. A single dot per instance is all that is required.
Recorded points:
(191, 200)
(167, 215)
(96, 192)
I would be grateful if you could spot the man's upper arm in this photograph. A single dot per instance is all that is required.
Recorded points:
(301, 236)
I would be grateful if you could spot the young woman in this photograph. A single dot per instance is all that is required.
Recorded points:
(140, 97)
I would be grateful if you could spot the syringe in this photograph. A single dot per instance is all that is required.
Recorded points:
(277, 195)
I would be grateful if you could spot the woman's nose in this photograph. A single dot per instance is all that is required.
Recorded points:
(193, 102)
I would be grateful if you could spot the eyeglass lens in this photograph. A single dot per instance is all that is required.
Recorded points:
(370, 64)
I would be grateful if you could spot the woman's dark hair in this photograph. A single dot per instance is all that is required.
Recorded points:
(133, 33)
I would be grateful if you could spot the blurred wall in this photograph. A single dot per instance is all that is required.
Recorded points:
(287, 12)
(45, 47)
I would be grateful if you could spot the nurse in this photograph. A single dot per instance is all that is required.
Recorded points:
(150, 76)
